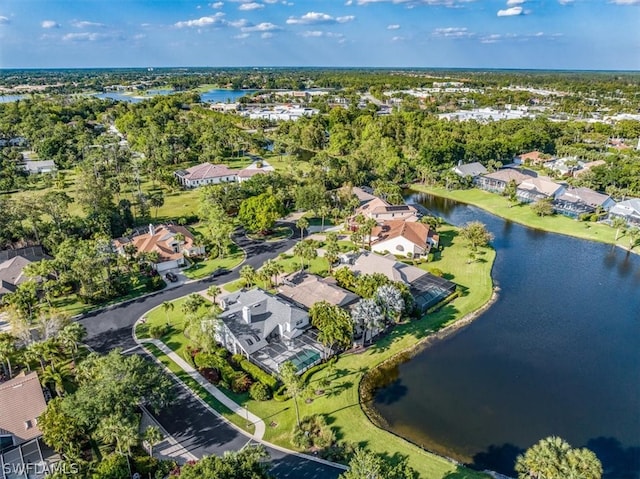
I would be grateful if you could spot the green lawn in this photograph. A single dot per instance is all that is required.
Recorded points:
(340, 402)
(202, 269)
(523, 214)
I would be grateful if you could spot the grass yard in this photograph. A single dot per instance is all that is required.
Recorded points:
(340, 402)
(523, 214)
(202, 269)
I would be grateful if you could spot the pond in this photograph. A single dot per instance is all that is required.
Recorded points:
(557, 354)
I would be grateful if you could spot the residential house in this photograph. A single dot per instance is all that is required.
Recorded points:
(307, 289)
(497, 181)
(206, 174)
(404, 238)
(364, 194)
(34, 167)
(471, 170)
(587, 166)
(258, 167)
(162, 240)
(268, 330)
(21, 403)
(536, 189)
(426, 289)
(574, 202)
(530, 158)
(629, 210)
(12, 264)
(381, 211)
(564, 166)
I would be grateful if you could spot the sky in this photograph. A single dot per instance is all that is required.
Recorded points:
(541, 34)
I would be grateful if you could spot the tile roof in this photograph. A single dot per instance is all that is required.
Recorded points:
(507, 175)
(415, 232)
(532, 156)
(540, 185)
(471, 169)
(584, 195)
(308, 289)
(627, 207)
(11, 273)
(371, 205)
(207, 170)
(21, 402)
(369, 263)
(160, 241)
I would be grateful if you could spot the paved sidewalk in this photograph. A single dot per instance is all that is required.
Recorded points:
(214, 391)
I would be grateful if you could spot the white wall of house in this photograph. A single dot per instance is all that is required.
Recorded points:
(398, 245)
(208, 181)
(166, 265)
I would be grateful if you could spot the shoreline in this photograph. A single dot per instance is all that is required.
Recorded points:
(366, 392)
(492, 209)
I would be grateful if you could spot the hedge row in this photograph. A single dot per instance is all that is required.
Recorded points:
(258, 374)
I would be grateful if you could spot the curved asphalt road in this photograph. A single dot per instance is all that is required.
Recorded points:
(187, 420)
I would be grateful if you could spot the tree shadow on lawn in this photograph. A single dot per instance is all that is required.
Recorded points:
(336, 390)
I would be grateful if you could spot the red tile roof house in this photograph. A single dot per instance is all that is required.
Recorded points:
(403, 238)
(21, 402)
(381, 211)
(162, 240)
(206, 174)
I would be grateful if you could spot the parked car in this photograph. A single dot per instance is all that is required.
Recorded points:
(171, 277)
(220, 272)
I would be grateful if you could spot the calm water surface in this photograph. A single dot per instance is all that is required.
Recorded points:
(214, 95)
(558, 353)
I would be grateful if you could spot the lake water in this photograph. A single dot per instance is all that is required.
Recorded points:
(11, 98)
(211, 96)
(557, 354)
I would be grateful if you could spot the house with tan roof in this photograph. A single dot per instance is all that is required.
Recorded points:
(536, 189)
(399, 237)
(531, 158)
(427, 290)
(21, 403)
(12, 264)
(497, 181)
(629, 210)
(307, 289)
(258, 167)
(381, 211)
(206, 174)
(171, 242)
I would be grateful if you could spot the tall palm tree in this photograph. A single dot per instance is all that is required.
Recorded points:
(302, 224)
(7, 350)
(167, 306)
(633, 234)
(70, 338)
(58, 378)
(248, 275)
(214, 291)
(152, 436)
(367, 316)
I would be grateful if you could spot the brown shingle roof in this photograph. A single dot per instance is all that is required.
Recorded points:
(207, 170)
(21, 402)
(308, 289)
(415, 232)
(507, 175)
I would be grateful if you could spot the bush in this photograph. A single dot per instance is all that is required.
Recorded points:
(207, 360)
(281, 394)
(259, 392)
(436, 272)
(189, 359)
(241, 383)
(313, 432)
(156, 283)
(158, 330)
(258, 374)
(211, 374)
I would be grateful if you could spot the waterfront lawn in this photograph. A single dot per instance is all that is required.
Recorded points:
(340, 402)
(523, 214)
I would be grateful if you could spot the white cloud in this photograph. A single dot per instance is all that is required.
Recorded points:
(261, 27)
(139, 36)
(314, 18)
(397, 39)
(493, 38)
(266, 35)
(217, 5)
(49, 24)
(87, 37)
(626, 2)
(510, 12)
(415, 3)
(511, 3)
(250, 6)
(208, 21)
(4, 20)
(319, 33)
(395, 26)
(239, 23)
(86, 24)
(452, 32)
(242, 36)
(565, 2)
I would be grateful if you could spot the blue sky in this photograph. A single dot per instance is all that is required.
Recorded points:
(559, 34)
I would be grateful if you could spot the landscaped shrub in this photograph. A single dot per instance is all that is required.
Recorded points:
(156, 283)
(259, 392)
(313, 432)
(188, 358)
(241, 383)
(258, 374)
(318, 367)
(158, 330)
(436, 272)
(207, 360)
(340, 452)
(211, 374)
(281, 394)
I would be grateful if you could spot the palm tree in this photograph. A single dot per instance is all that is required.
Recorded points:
(292, 383)
(121, 431)
(323, 211)
(248, 274)
(58, 378)
(306, 250)
(553, 458)
(214, 291)
(390, 300)
(302, 224)
(618, 223)
(7, 350)
(152, 436)
(70, 338)
(167, 306)
(367, 316)
(192, 304)
(633, 234)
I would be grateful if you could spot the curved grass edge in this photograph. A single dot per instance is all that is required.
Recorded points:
(500, 206)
